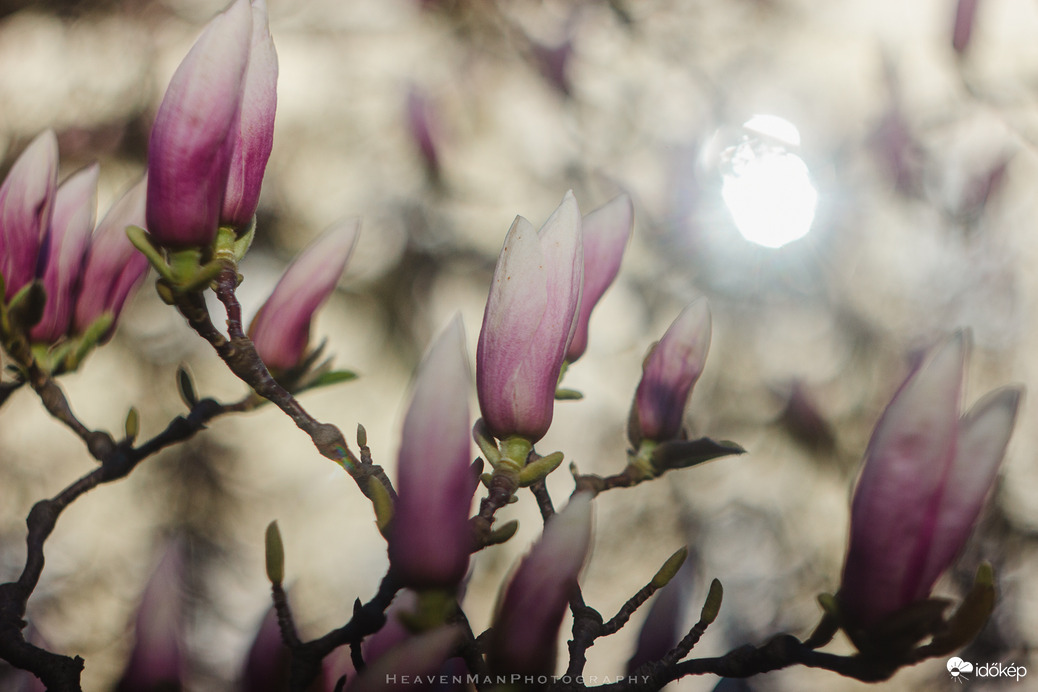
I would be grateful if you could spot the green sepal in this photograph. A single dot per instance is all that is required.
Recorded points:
(563, 394)
(329, 378)
(898, 633)
(713, 603)
(970, 617)
(503, 532)
(485, 479)
(86, 342)
(186, 387)
(669, 568)
(244, 241)
(829, 625)
(434, 607)
(132, 425)
(275, 554)
(382, 503)
(679, 454)
(539, 469)
(26, 307)
(486, 443)
(141, 240)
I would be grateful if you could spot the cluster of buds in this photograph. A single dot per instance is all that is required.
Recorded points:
(927, 469)
(65, 282)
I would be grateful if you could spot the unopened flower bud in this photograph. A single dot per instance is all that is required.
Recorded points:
(281, 328)
(528, 323)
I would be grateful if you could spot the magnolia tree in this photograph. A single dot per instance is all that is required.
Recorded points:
(926, 472)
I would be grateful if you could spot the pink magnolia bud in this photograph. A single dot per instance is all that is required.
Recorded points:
(922, 486)
(606, 231)
(113, 266)
(529, 322)
(156, 661)
(421, 123)
(75, 204)
(281, 328)
(255, 136)
(662, 628)
(526, 627)
(430, 541)
(268, 661)
(402, 666)
(668, 375)
(26, 200)
(965, 15)
(195, 131)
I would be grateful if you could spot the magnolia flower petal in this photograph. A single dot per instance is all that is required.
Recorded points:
(529, 322)
(905, 466)
(255, 136)
(26, 199)
(983, 436)
(430, 541)
(606, 232)
(516, 304)
(420, 655)
(75, 205)
(189, 154)
(113, 266)
(670, 372)
(268, 661)
(526, 627)
(157, 658)
(281, 328)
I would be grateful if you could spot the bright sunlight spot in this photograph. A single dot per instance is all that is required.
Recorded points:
(767, 188)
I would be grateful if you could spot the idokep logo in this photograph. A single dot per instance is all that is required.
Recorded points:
(957, 668)
(960, 670)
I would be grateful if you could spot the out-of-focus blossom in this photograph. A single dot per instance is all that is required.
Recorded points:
(661, 630)
(668, 375)
(401, 666)
(430, 541)
(113, 267)
(281, 328)
(268, 661)
(421, 124)
(196, 132)
(394, 631)
(75, 205)
(606, 231)
(26, 204)
(157, 659)
(526, 627)
(924, 480)
(529, 322)
(255, 136)
(965, 15)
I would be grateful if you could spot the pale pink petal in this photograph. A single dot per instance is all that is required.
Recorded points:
(525, 630)
(281, 328)
(606, 232)
(430, 541)
(983, 436)
(75, 205)
(26, 202)
(255, 136)
(114, 267)
(896, 500)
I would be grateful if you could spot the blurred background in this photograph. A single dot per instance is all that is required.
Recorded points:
(846, 182)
